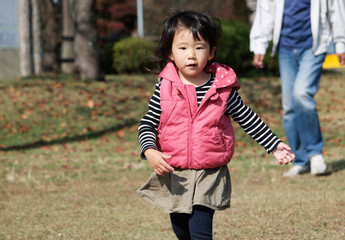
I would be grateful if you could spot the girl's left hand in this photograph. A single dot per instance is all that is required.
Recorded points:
(283, 154)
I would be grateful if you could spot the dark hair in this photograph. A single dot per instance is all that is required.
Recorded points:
(208, 28)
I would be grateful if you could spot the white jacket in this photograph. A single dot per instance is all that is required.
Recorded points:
(327, 19)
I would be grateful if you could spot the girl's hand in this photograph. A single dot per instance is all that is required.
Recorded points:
(157, 161)
(283, 154)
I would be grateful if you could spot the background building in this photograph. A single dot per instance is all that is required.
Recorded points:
(9, 40)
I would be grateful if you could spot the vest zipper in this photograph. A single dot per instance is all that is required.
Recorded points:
(190, 131)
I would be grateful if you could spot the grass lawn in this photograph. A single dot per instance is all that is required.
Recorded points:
(69, 165)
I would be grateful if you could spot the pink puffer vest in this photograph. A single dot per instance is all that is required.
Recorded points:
(196, 137)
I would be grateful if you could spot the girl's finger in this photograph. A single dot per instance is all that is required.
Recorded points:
(165, 156)
(167, 167)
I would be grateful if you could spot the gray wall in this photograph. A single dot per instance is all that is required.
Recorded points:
(9, 63)
(9, 40)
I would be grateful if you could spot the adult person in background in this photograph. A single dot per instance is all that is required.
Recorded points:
(301, 31)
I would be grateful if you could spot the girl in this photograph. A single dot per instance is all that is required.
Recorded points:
(187, 136)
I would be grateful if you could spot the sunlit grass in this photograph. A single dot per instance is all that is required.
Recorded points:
(80, 184)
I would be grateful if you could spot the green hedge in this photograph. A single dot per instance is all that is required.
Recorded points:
(133, 55)
(233, 50)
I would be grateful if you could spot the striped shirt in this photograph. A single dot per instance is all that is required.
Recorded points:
(251, 123)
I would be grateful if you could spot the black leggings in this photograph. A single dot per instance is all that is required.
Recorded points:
(195, 226)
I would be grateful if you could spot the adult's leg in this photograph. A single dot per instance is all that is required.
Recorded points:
(306, 85)
(288, 67)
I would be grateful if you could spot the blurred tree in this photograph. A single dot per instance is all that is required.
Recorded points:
(78, 27)
(29, 37)
(37, 38)
(87, 60)
(67, 48)
(51, 34)
(116, 19)
(70, 37)
(24, 38)
(155, 11)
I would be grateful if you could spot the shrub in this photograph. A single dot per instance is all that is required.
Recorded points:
(132, 55)
(233, 50)
(271, 65)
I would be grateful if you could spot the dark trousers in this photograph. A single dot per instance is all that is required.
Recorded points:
(195, 226)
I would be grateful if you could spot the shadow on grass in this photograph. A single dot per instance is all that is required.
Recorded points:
(337, 166)
(89, 135)
(333, 167)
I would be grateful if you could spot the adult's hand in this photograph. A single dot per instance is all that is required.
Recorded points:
(258, 60)
(341, 58)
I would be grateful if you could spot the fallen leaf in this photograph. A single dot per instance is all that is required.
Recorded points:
(90, 103)
(121, 133)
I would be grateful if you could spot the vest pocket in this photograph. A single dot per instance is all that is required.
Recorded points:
(221, 140)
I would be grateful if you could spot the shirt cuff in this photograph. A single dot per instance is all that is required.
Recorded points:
(142, 155)
(340, 47)
(274, 146)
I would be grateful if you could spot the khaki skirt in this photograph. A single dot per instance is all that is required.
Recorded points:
(179, 191)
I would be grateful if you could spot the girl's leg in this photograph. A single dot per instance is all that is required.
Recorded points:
(200, 223)
(197, 225)
(180, 225)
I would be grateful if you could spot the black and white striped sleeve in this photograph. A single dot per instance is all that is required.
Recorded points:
(148, 125)
(251, 123)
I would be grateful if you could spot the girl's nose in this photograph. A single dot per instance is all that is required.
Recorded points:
(191, 54)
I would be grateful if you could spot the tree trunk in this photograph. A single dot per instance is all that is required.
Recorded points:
(87, 49)
(67, 48)
(51, 35)
(24, 38)
(36, 32)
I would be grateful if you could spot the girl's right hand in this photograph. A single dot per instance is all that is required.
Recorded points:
(157, 161)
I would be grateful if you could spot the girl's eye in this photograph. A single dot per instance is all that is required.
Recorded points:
(199, 48)
(182, 48)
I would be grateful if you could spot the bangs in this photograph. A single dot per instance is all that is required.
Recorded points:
(194, 26)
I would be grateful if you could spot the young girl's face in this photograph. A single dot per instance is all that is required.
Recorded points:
(190, 55)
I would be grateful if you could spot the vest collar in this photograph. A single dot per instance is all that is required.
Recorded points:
(224, 75)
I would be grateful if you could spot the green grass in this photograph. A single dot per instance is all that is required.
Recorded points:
(40, 111)
(69, 167)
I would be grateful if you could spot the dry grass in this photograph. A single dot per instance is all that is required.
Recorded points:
(85, 189)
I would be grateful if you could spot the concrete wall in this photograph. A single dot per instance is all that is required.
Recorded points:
(9, 40)
(9, 63)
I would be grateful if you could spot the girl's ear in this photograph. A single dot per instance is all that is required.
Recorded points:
(211, 55)
(171, 57)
